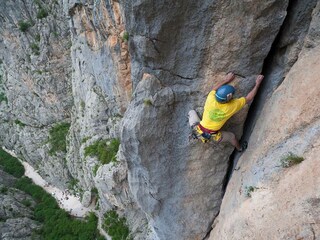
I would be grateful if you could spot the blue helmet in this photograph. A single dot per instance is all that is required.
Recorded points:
(225, 93)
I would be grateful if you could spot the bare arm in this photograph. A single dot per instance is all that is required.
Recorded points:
(254, 91)
(230, 76)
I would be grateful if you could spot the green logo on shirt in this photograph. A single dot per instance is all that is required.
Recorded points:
(217, 115)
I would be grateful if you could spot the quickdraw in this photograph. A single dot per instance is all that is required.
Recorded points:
(197, 133)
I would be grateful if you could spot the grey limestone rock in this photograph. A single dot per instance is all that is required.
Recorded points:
(178, 51)
(35, 57)
(86, 198)
(16, 215)
(132, 70)
(288, 125)
(18, 228)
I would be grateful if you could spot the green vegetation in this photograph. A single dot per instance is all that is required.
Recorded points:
(3, 190)
(82, 105)
(57, 223)
(35, 49)
(24, 25)
(290, 159)
(116, 227)
(57, 138)
(104, 150)
(38, 2)
(18, 122)
(125, 36)
(37, 38)
(10, 164)
(249, 190)
(97, 206)
(42, 13)
(94, 192)
(72, 183)
(3, 98)
(55, 34)
(26, 202)
(147, 102)
(85, 139)
(95, 169)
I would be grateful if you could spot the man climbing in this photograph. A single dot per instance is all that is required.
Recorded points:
(219, 107)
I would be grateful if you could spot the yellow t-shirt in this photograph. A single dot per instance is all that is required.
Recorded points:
(216, 114)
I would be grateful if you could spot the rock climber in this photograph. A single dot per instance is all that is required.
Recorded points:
(219, 107)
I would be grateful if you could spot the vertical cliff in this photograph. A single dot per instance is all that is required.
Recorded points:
(102, 90)
(179, 50)
(100, 82)
(270, 195)
(35, 83)
(110, 71)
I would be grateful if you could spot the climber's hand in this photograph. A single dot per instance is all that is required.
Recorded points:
(230, 76)
(259, 79)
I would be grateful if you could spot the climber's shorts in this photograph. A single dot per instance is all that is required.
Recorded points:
(205, 137)
(219, 136)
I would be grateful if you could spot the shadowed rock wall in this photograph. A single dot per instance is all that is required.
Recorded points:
(284, 202)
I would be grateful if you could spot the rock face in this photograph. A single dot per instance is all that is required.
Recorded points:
(131, 70)
(177, 56)
(35, 86)
(102, 90)
(284, 202)
(100, 82)
(15, 213)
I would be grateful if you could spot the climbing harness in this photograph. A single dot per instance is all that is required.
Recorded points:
(203, 134)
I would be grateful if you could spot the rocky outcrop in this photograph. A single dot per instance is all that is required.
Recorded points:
(15, 211)
(177, 56)
(100, 82)
(284, 202)
(102, 90)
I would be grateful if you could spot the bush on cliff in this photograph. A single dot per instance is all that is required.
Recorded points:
(249, 190)
(35, 48)
(42, 13)
(104, 150)
(290, 159)
(115, 226)
(57, 138)
(24, 25)
(125, 36)
(3, 98)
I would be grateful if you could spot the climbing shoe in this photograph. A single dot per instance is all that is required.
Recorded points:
(244, 146)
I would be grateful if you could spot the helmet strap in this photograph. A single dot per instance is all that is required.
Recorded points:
(229, 97)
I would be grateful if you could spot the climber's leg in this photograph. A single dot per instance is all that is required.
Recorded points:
(193, 118)
(231, 138)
